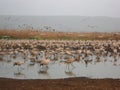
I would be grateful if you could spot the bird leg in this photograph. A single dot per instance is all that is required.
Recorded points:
(47, 66)
(67, 67)
(73, 65)
(19, 69)
(8, 58)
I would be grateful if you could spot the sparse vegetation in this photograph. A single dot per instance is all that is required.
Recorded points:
(41, 35)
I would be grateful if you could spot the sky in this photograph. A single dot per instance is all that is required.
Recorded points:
(110, 8)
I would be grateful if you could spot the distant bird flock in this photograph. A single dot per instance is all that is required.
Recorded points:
(44, 52)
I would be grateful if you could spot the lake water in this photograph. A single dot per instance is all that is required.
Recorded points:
(58, 70)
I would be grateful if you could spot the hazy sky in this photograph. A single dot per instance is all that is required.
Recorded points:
(61, 7)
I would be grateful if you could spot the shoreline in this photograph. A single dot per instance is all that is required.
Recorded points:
(60, 78)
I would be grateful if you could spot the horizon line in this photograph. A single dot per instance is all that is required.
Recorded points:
(58, 15)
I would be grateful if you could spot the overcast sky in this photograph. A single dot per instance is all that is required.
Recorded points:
(109, 8)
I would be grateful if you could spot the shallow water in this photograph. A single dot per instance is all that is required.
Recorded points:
(58, 70)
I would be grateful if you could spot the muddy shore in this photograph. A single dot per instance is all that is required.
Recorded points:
(60, 84)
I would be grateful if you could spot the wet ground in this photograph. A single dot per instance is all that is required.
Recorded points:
(60, 84)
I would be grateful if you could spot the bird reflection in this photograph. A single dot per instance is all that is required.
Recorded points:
(43, 70)
(44, 73)
(19, 74)
(70, 73)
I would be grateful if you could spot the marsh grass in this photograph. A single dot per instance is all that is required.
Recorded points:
(42, 35)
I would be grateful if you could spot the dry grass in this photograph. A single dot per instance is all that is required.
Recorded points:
(33, 34)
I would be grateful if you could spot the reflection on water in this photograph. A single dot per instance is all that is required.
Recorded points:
(70, 73)
(59, 70)
(44, 74)
(19, 75)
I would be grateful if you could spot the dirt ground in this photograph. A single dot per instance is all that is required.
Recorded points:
(60, 84)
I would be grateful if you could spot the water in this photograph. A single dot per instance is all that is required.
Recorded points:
(58, 70)
(61, 23)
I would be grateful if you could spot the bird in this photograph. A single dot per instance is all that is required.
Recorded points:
(44, 62)
(87, 61)
(68, 62)
(18, 63)
(2, 55)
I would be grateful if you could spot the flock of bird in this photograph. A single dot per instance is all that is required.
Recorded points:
(44, 52)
